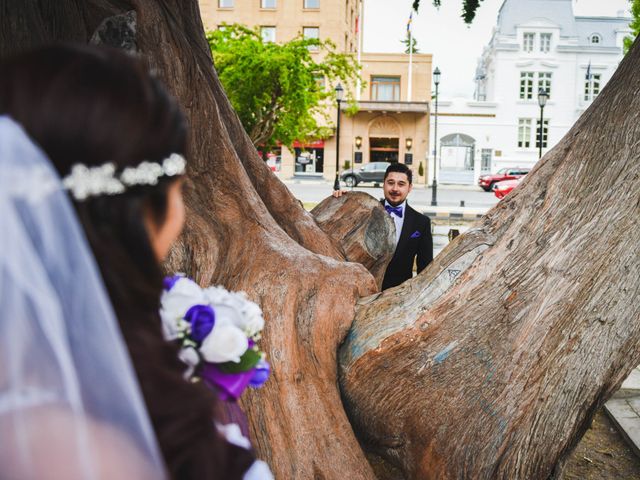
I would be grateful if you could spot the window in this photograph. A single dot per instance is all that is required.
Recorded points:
(545, 133)
(526, 85)
(267, 3)
(527, 82)
(545, 42)
(268, 34)
(524, 132)
(544, 82)
(311, 32)
(485, 160)
(385, 89)
(320, 82)
(591, 87)
(225, 3)
(311, 3)
(527, 41)
(595, 38)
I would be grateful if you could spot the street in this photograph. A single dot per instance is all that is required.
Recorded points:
(312, 191)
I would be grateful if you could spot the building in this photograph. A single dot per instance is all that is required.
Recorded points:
(536, 44)
(391, 124)
(392, 119)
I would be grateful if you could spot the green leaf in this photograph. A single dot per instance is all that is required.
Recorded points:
(248, 360)
(280, 91)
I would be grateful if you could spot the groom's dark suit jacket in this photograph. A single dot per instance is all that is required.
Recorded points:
(415, 243)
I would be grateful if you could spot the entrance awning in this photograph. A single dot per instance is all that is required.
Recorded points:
(316, 144)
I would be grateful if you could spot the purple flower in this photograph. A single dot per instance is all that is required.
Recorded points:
(170, 281)
(260, 374)
(202, 319)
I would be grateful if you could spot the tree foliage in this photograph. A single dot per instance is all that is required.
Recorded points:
(635, 25)
(280, 90)
(414, 44)
(469, 8)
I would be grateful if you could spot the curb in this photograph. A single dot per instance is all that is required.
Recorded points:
(453, 216)
(623, 415)
(624, 410)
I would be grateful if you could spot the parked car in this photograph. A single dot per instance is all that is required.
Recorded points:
(487, 182)
(501, 189)
(371, 172)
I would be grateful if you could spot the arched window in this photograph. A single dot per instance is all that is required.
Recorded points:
(595, 38)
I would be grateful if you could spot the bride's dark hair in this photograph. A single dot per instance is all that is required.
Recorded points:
(92, 106)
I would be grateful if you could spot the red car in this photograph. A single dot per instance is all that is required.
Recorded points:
(501, 189)
(487, 182)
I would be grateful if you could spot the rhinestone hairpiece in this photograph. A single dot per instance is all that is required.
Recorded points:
(84, 182)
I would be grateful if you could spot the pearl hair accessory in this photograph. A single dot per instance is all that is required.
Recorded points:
(84, 182)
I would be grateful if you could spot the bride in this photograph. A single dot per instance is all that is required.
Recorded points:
(118, 141)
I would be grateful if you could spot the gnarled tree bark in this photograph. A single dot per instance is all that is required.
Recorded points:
(488, 364)
(493, 361)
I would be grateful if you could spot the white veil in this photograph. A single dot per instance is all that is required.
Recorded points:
(70, 406)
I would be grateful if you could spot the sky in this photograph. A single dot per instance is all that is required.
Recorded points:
(455, 46)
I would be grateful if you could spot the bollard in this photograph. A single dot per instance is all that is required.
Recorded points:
(462, 203)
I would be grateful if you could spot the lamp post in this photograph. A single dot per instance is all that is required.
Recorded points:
(339, 93)
(434, 184)
(543, 96)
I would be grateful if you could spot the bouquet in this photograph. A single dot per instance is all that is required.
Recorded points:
(218, 333)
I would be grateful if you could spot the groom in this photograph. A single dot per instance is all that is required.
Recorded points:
(413, 230)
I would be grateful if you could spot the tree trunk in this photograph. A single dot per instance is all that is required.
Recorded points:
(488, 364)
(364, 230)
(493, 361)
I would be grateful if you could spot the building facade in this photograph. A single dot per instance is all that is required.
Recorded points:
(391, 125)
(536, 44)
(392, 119)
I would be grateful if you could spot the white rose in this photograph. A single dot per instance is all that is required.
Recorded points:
(235, 308)
(253, 319)
(225, 343)
(217, 294)
(184, 294)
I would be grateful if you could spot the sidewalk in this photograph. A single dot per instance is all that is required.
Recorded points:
(624, 410)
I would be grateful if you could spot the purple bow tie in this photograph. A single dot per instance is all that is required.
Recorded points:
(396, 210)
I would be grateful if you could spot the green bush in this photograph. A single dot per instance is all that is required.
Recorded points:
(347, 165)
(421, 169)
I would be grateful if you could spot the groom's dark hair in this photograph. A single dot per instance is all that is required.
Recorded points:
(400, 168)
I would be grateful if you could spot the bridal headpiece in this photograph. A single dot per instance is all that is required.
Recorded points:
(84, 182)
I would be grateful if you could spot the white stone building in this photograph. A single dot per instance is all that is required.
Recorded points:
(535, 44)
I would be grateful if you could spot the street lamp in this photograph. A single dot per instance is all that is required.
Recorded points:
(339, 96)
(434, 184)
(543, 96)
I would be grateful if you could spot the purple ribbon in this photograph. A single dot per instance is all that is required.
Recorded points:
(230, 385)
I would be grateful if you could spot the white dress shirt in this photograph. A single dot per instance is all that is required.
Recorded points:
(398, 221)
